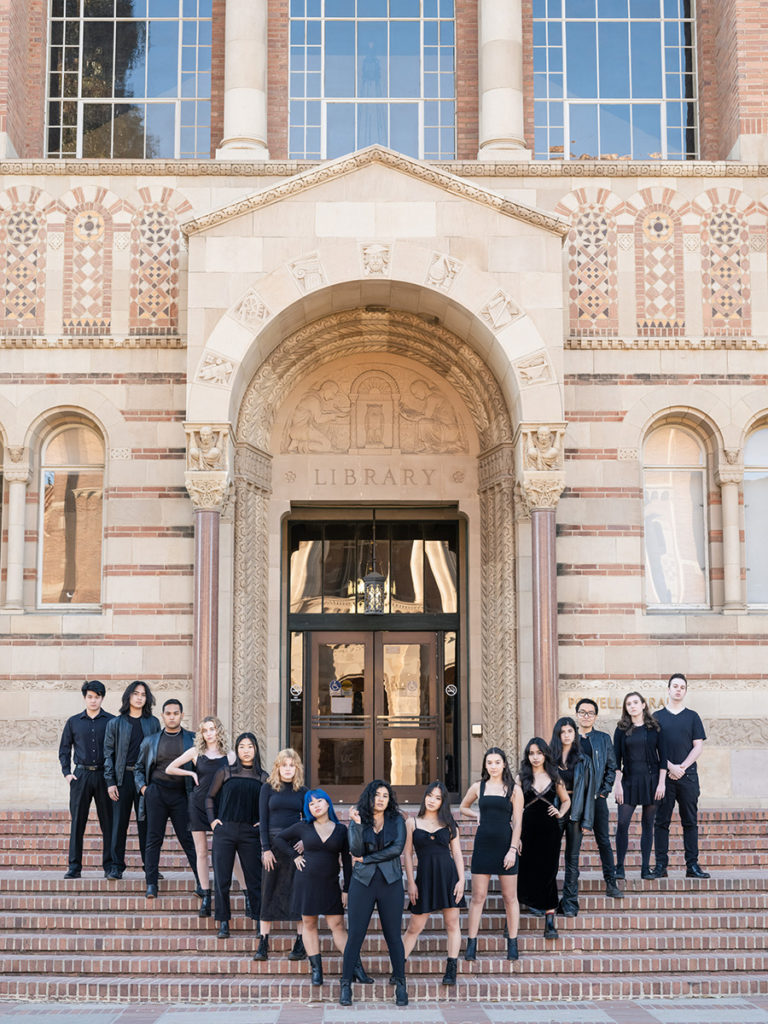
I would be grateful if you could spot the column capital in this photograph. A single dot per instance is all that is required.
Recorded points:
(208, 491)
(17, 474)
(541, 490)
(730, 468)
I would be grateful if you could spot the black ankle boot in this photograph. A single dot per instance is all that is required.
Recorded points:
(205, 906)
(401, 996)
(298, 952)
(358, 973)
(512, 950)
(262, 950)
(345, 996)
(449, 978)
(550, 932)
(317, 969)
(470, 953)
(223, 932)
(620, 871)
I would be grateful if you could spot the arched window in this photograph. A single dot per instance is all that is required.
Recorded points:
(72, 492)
(756, 516)
(674, 489)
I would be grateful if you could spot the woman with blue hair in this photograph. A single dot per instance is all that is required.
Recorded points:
(316, 882)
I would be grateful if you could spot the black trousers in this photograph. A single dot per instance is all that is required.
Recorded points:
(684, 792)
(387, 897)
(230, 838)
(86, 786)
(121, 815)
(603, 839)
(160, 804)
(569, 900)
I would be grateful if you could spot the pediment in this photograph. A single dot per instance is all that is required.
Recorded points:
(396, 164)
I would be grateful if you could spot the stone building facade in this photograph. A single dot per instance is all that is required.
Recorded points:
(539, 384)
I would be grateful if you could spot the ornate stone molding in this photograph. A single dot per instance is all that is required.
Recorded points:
(737, 732)
(254, 467)
(10, 341)
(16, 474)
(207, 447)
(730, 470)
(208, 491)
(541, 490)
(541, 447)
(668, 344)
(496, 466)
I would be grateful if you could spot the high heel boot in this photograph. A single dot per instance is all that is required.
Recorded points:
(358, 973)
(401, 996)
(550, 932)
(317, 969)
(470, 953)
(298, 952)
(345, 996)
(512, 951)
(205, 906)
(262, 950)
(449, 978)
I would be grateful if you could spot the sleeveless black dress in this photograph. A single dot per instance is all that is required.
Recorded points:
(493, 837)
(436, 874)
(206, 768)
(540, 856)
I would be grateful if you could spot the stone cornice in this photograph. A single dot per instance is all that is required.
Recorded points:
(332, 170)
(667, 344)
(10, 341)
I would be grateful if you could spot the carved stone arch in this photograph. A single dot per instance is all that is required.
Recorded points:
(407, 335)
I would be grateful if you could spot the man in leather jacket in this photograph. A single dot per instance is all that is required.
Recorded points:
(597, 748)
(164, 796)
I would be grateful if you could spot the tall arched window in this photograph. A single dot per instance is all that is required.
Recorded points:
(674, 489)
(72, 492)
(756, 516)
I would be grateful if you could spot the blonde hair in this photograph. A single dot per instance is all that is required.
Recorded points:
(287, 754)
(221, 735)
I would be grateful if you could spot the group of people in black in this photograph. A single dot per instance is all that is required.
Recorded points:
(296, 861)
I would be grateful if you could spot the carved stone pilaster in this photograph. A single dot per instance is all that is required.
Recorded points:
(253, 487)
(730, 469)
(207, 490)
(499, 658)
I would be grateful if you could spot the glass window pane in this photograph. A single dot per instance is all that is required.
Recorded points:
(404, 128)
(296, 694)
(306, 575)
(583, 131)
(371, 125)
(646, 131)
(97, 58)
(673, 446)
(161, 119)
(163, 58)
(129, 130)
(71, 529)
(646, 60)
(755, 536)
(408, 761)
(404, 60)
(581, 59)
(372, 78)
(340, 59)
(340, 762)
(406, 582)
(441, 594)
(675, 566)
(340, 574)
(615, 130)
(97, 130)
(613, 50)
(131, 59)
(340, 129)
(75, 446)
(756, 449)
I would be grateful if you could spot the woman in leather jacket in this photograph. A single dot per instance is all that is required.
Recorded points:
(573, 768)
(376, 841)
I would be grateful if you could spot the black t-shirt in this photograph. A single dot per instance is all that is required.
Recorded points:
(679, 732)
(586, 746)
(137, 735)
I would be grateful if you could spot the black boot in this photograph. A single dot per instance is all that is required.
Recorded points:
(248, 907)
(470, 953)
(620, 871)
(345, 997)
(317, 969)
(205, 906)
(223, 932)
(449, 978)
(550, 932)
(401, 996)
(262, 950)
(298, 952)
(358, 973)
(646, 873)
(512, 951)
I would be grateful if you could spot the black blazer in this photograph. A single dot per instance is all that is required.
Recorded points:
(363, 842)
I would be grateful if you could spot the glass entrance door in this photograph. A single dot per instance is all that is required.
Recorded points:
(374, 711)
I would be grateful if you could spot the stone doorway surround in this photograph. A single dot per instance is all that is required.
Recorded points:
(376, 253)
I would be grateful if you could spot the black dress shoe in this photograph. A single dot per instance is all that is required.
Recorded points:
(223, 932)
(694, 871)
(72, 874)
(620, 872)
(612, 890)
(659, 872)
(114, 875)
(151, 893)
(647, 874)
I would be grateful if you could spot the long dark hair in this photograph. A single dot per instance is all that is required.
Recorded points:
(365, 803)
(444, 815)
(625, 723)
(257, 756)
(149, 703)
(506, 775)
(556, 746)
(526, 770)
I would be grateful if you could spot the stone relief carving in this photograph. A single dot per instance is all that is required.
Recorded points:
(541, 490)
(15, 452)
(215, 369)
(33, 733)
(670, 344)
(119, 454)
(87, 341)
(442, 272)
(251, 310)
(628, 454)
(376, 258)
(320, 422)
(437, 426)
(543, 448)
(207, 490)
(534, 369)
(206, 448)
(737, 732)
(308, 273)
(732, 456)
(500, 311)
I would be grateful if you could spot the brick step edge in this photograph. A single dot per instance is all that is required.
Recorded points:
(486, 989)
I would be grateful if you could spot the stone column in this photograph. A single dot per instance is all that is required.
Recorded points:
(500, 58)
(207, 484)
(16, 477)
(245, 82)
(729, 478)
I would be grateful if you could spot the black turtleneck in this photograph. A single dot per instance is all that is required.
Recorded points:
(239, 801)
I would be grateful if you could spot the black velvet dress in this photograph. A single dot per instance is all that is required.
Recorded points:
(540, 856)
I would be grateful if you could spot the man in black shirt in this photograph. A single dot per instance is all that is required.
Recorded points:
(164, 796)
(83, 736)
(122, 742)
(684, 737)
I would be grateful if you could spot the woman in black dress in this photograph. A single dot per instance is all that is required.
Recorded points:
(572, 766)
(325, 844)
(497, 844)
(640, 778)
(545, 803)
(376, 840)
(235, 826)
(281, 805)
(433, 836)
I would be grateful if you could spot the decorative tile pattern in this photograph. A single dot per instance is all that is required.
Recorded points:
(154, 271)
(725, 271)
(659, 272)
(87, 270)
(592, 277)
(22, 269)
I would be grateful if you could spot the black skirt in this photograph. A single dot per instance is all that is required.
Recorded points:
(278, 892)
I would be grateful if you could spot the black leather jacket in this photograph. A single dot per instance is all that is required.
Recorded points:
(363, 843)
(116, 741)
(595, 781)
(582, 811)
(148, 757)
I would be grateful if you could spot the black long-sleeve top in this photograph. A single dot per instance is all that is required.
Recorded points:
(278, 810)
(322, 857)
(83, 736)
(239, 801)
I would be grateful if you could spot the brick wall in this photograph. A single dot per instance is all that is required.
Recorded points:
(217, 74)
(277, 79)
(528, 119)
(466, 80)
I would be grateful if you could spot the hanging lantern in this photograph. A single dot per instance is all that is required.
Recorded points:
(373, 583)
